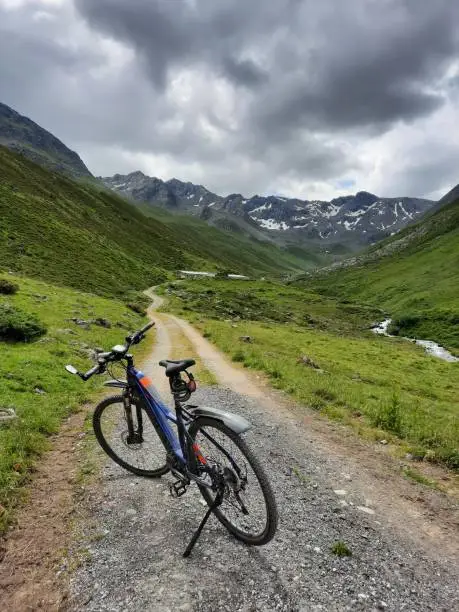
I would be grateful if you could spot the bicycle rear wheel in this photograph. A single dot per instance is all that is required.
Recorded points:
(248, 509)
(144, 456)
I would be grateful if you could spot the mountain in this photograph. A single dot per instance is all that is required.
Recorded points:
(81, 235)
(352, 221)
(22, 135)
(449, 197)
(414, 275)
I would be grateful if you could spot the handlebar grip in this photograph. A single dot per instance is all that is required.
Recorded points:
(146, 327)
(90, 372)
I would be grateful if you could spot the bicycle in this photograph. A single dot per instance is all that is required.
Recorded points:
(207, 449)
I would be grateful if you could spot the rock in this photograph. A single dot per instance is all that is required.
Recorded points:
(246, 339)
(39, 391)
(305, 360)
(7, 414)
(365, 509)
(383, 441)
(80, 322)
(101, 322)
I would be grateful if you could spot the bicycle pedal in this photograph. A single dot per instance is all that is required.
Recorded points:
(177, 489)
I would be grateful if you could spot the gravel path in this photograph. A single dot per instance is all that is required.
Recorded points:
(138, 534)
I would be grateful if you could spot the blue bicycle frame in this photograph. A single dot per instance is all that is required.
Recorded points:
(160, 413)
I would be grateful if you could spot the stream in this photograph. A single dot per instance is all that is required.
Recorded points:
(432, 348)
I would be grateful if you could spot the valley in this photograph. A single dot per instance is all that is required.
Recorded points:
(292, 348)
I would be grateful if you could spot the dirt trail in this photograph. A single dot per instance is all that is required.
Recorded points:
(31, 555)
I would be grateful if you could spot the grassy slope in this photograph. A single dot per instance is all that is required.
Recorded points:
(78, 235)
(385, 387)
(40, 365)
(418, 283)
(235, 246)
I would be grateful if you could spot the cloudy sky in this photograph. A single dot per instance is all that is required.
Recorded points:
(304, 98)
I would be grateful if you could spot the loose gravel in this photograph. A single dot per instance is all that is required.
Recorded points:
(137, 534)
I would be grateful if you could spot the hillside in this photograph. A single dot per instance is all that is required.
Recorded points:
(414, 276)
(343, 225)
(23, 135)
(83, 236)
(234, 243)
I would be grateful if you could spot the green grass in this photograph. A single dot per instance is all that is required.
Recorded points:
(414, 275)
(269, 301)
(340, 549)
(415, 476)
(385, 387)
(32, 376)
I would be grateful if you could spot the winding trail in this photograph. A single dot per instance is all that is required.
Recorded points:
(329, 486)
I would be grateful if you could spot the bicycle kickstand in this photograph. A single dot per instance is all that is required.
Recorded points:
(217, 501)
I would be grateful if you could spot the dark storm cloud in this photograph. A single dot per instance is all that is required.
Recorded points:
(251, 94)
(331, 65)
(377, 66)
(173, 33)
(244, 72)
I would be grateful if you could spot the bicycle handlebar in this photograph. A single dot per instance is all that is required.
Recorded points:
(113, 355)
(90, 372)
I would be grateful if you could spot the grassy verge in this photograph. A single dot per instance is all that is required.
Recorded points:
(32, 377)
(383, 387)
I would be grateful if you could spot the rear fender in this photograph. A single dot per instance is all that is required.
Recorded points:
(235, 422)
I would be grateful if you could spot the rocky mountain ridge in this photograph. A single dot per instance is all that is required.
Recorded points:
(26, 137)
(360, 219)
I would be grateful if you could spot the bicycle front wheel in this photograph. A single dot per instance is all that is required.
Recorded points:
(248, 509)
(144, 455)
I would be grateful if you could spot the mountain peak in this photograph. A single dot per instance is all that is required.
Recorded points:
(354, 220)
(24, 136)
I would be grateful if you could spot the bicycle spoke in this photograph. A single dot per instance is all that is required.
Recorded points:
(253, 520)
(146, 455)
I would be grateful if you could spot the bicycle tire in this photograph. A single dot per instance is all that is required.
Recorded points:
(270, 503)
(107, 447)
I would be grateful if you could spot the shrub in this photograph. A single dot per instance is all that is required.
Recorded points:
(238, 356)
(403, 324)
(388, 416)
(18, 325)
(340, 549)
(7, 287)
(137, 301)
(325, 394)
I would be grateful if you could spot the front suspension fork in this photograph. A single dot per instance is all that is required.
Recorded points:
(134, 436)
